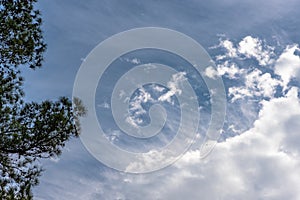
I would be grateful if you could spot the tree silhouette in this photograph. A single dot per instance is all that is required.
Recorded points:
(28, 131)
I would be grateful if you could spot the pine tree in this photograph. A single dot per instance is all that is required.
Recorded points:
(29, 131)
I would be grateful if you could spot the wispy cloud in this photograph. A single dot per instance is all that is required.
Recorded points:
(174, 86)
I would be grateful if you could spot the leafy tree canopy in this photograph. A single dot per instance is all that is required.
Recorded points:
(28, 131)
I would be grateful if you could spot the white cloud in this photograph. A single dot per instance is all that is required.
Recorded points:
(253, 47)
(137, 108)
(158, 88)
(173, 86)
(262, 84)
(248, 47)
(230, 70)
(133, 60)
(288, 65)
(261, 163)
(210, 72)
(228, 45)
(257, 84)
(254, 165)
(149, 160)
(143, 96)
(113, 135)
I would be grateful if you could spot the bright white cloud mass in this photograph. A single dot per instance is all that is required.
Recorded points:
(258, 154)
(290, 59)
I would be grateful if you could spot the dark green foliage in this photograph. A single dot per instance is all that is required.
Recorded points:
(28, 131)
(20, 33)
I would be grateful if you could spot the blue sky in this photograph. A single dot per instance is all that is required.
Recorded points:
(255, 46)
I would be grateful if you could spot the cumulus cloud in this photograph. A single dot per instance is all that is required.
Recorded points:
(228, 45)
(262, 163)
(253, 47)
(149, 161)
(248, 47)
(257, 84)
(288, 64)
(230, 70)
(231, 50)
(211, 72)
